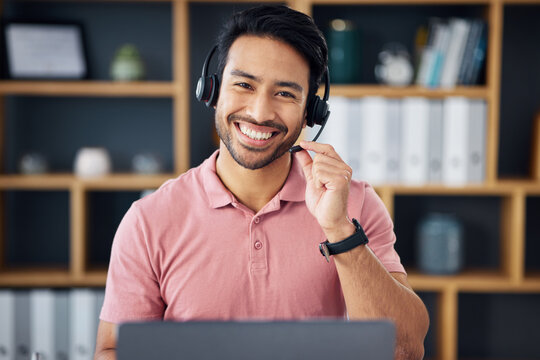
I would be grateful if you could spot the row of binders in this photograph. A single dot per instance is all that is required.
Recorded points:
(454, 53)
(49, 324)
(410, 141)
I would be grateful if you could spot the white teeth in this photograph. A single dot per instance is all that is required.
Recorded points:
(255, 135)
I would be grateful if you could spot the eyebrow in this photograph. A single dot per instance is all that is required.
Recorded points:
(290, 84)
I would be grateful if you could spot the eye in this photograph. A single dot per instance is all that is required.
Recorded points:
(243, 85)
(286, 94)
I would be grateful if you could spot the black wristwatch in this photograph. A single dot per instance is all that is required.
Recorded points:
(358, 238)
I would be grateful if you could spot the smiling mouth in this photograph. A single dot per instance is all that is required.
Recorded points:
(255, 135)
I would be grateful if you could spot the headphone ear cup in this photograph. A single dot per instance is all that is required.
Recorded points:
(214, 91)
(317, 111)
(208, 89)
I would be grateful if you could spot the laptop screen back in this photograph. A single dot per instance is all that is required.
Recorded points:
(314, 340)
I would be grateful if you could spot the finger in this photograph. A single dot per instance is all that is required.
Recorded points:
(331, 180)
(319, 148)
(338, 168)
(306, 163)
(324, 159)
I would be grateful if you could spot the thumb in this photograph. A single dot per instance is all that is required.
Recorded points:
(306, 162)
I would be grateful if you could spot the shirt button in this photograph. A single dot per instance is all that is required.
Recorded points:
(258, 245)
(257, 220)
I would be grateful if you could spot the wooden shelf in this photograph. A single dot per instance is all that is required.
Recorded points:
(354, 91)
(89, 88)
(400, 2)
(44, 277)
(67, 181)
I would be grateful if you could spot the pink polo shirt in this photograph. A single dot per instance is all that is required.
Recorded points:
(191, 251)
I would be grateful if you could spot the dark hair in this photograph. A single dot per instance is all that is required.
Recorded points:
(281, 23)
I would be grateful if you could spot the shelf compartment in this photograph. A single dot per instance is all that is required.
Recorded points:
(532, 236)
(498, 326)
(36, 230)
(477, 213)
(105, 210)
(57, 127)
(89, 88)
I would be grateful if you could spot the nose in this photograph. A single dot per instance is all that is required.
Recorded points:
(261, 107)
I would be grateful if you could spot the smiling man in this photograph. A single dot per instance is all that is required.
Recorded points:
(238, 237)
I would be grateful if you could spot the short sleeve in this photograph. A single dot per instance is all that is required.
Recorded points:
(132, 292)
(379, 229)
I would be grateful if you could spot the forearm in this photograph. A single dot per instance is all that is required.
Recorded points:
(371, 292)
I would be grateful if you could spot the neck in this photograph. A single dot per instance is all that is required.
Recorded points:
(253, 188)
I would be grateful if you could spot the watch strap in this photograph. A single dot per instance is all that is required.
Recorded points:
(358, 238)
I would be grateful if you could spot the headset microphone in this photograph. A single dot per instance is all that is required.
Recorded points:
(317, 109)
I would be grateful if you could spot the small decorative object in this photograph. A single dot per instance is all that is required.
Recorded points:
(395, 67)
(343, 52)
(147, 163)
(535, 146)
(127, 64)
(92, 162)
(33, 164)
(440, 248)
(45, 50)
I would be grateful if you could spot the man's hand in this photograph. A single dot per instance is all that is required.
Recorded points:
(327, 189)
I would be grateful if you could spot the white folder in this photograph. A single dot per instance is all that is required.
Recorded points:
(435, 141)
(415, 132)
(373, 139)
(393, 141)
(22, 327)
(83, 324)
(354, 144)
(7, 324)
(61, 304)
(477, 142)
(42, 324)
(456, 139)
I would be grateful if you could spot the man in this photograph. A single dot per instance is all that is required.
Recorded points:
(237, 237)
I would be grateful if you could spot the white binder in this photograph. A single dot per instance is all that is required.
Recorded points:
(435, 141)
(22, 327)
(335, 132)
(7, 324)
(42, 324)
(83, 324)
(354, 144)
(456, 139)
(477, 141)
(414, 155)
(61, 304)
(393, 141)
(373, 139)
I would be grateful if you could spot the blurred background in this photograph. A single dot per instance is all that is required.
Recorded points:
(435, 103)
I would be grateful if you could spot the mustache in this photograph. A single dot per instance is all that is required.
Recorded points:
(268, 123)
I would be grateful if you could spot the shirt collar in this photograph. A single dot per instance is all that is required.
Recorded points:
(218, 195)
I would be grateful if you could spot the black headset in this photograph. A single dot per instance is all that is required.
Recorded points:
(317, 109)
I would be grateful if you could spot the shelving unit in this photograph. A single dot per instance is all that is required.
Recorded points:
(511, 276)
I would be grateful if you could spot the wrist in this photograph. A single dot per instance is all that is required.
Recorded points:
(340, 231)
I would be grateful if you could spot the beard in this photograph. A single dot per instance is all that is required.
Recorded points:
(223, 129)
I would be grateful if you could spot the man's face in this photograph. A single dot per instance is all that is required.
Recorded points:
(261, 107)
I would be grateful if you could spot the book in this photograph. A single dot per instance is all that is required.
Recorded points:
(479, 55)
(473, 39)
(435, 141)
(459, 30)
(373, 139)
(440, 49)
(393, 141)
(455, 143)
(414, 140)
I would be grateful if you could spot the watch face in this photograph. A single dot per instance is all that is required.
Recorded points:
(324, 250)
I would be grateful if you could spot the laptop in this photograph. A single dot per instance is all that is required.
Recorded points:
(314, 340)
